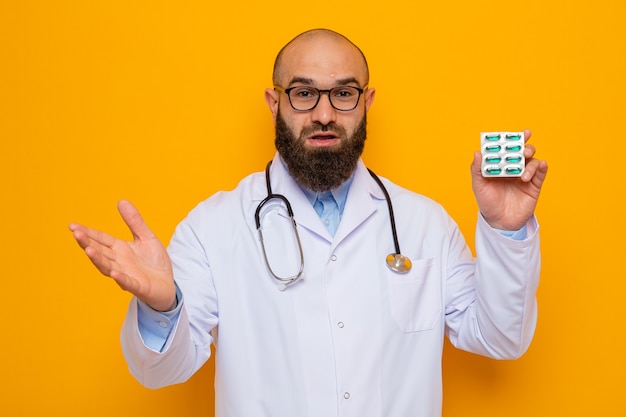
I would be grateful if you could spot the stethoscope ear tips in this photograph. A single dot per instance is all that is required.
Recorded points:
(398, 263)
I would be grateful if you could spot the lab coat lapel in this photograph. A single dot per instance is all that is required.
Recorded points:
(360, 204)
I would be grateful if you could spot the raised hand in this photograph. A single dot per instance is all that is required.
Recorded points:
(508, 203)
(141, 267)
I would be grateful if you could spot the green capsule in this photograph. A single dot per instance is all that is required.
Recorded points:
(492, 137)
(493, 159)
(513, 170)
(513, 137)
(513, 159)
(513, 148)
(493, 148)
(493, 171)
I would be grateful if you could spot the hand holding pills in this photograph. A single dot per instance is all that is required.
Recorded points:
(507, 179)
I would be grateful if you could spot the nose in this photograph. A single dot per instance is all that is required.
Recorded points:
(324, 112)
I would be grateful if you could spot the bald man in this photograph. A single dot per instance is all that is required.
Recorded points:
(297, 279)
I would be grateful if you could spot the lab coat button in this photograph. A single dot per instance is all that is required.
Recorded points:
(333, 258)
(340, 324)
(346, 395)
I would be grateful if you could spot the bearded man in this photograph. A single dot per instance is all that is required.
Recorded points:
(297, 278)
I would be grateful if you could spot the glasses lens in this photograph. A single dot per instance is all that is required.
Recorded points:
(341, 98)
(304, 98)
(344, 98)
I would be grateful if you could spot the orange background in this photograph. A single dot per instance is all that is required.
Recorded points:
(162, 103)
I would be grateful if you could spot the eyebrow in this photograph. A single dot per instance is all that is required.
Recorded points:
(309, 81)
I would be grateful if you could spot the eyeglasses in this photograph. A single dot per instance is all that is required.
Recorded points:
(303, 98)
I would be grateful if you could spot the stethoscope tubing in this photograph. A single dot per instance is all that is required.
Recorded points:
(392, 218)
(284, 281)
(396, 261)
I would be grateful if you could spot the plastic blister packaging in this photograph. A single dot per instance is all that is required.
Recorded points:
(502, 154)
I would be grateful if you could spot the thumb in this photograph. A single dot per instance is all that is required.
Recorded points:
(476, 164)
(134, 221)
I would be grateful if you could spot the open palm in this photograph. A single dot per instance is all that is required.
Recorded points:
(141, 267)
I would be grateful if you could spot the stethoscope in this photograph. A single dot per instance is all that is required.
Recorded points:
(395, 261)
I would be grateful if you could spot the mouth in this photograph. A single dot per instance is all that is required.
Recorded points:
(320, 139)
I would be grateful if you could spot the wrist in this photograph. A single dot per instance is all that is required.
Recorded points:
(172, 306)
(168, 306)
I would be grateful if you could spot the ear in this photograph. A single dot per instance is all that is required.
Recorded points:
(271, 98)
(369, 98)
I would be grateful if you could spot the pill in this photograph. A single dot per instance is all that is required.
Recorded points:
(513, 159)
(493, 148)
(493, 171)
(513, 137)
(513, 170)
(513, 148)
(493, 159)
(492, 137)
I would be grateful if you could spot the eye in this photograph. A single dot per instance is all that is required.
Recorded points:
(344, 92)
(304, 93)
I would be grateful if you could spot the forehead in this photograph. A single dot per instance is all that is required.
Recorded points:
(322, 59)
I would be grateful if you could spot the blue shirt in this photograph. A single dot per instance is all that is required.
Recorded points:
(329, 205)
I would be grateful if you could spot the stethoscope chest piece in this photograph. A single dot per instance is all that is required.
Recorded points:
(398, 263)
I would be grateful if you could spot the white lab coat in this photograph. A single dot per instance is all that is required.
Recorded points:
(352, 338)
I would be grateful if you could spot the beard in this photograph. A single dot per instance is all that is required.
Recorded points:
(324, 168)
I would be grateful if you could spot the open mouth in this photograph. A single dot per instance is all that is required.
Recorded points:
(323, 139)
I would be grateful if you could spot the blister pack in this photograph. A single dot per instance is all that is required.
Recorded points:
(502, 153)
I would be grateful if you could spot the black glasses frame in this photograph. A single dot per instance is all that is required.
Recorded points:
(319, 95)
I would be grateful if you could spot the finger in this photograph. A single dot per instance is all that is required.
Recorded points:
(535, 171)
(529, 151)
(476, 163)
(102, 256)
(85, 242)
(134, 221)
(80, 235)
(527, 134)
(529, 170)
(124, 281)
(540, 174)
(101, 262)
(129, 283)
(84, 235)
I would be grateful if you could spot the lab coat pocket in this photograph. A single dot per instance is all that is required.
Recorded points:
(415, 297)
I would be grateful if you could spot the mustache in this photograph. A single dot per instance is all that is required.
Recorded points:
(317, 127)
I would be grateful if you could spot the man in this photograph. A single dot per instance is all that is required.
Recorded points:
(317, 324)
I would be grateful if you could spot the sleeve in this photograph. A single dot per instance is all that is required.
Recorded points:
(520, 234)
(156, 326)
(168, 348)
(491, 306)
